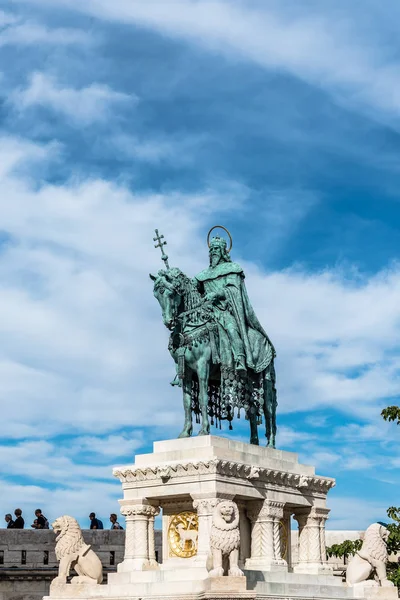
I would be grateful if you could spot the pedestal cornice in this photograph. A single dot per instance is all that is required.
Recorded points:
(230, 469)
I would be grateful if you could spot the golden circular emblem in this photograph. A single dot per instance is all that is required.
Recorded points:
(284, 539)
(182, 534)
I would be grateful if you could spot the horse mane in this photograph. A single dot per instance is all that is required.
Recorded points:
(182, 284)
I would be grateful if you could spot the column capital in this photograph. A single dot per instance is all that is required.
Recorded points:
(205, 504)
(319, 512)
(265, 510)
(133, 510)
(311, 516)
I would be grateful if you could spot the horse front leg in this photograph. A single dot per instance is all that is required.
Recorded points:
(203, 375)
(252, 415)
(187, 405)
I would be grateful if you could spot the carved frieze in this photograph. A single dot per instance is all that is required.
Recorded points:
(232, 469)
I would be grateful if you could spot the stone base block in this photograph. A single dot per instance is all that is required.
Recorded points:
(361, 590)
(225, 584)
(255, 564)
(171, 585)
(134, 564)
(313, 569)
(141, 577)
(156, 586)
(225, 588)
(70, 590)
(296, 586)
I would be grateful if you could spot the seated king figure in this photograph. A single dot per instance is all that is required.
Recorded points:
(243, 343)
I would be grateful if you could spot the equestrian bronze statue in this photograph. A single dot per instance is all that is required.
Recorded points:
(224, 359)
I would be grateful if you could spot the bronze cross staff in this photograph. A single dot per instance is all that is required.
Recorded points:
(161, 245)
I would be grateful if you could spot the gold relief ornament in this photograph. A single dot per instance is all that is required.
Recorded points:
(183, 534)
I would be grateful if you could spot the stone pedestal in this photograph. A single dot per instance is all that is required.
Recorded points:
(197, 473)
(186, 479)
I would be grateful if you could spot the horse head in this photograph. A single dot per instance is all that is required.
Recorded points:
(168, 291)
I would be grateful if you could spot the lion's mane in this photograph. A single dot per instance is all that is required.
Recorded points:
(70, 539)
(374, 545)
(225, 536)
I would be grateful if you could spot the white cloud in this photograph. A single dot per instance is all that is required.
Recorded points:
(6, 18)
(112, 446)
(349, 513)
(79, 500)
(174, 149)
(17, 154)
(290, 438)
(336, 337)
(27, 33)
(338, 50)
(371, 432)
(316, 420)
(81, 106)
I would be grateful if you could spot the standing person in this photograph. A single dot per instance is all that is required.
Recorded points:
(95, 523)
(114, 522)
(19, 522)
(8, 519)
(40, 522)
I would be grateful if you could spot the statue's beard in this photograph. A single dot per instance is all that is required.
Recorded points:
(214, 260)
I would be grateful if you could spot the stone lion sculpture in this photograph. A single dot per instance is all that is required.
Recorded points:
(74, 553)
(225, 541)
(371, 559)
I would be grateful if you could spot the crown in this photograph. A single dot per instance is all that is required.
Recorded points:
(218, 242)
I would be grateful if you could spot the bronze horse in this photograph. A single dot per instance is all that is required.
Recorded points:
(209, 390)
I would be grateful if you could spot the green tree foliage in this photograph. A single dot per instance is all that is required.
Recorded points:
(348, 548)
(391, 413)
(393, 568)
(344, 550)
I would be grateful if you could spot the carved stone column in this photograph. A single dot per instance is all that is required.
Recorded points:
(286, 537)
(204, 508)
(138, 528)
(266, 536)
(152, 546)
(301, 519)
(322, 539)
(312, 550)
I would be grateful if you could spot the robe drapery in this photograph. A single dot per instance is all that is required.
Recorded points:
(226, 281)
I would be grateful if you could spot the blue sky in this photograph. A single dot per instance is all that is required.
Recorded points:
(278, 119)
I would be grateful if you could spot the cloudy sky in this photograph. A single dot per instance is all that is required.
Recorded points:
(280, 120)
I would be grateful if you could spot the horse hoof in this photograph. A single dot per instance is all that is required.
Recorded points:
(184, 434)
(254, 441)
(203, 432)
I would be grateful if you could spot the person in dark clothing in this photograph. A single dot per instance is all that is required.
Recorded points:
(95, 523)
(19, 522)
(8, 519)
(40, 522)
(114, 522)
